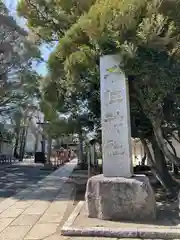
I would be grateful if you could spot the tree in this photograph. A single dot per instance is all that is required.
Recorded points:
(6, 135)
(16, 55)
(144, 33)
(19, 84)
(50, 20)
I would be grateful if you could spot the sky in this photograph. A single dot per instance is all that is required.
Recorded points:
(45, 50)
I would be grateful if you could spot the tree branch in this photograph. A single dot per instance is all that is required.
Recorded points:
(175, 137)
(50, 21)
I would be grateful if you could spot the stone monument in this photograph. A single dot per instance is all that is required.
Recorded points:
(117, 194)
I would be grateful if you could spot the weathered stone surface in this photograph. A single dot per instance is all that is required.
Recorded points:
(115, 118)
(120, 198)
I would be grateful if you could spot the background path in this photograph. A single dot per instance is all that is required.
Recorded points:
(37, 212)
(18, 176)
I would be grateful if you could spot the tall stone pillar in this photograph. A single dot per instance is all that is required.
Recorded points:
(117, 194)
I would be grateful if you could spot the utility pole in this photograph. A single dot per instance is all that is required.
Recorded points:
(43, 139)
(43, 136)
(48, 164)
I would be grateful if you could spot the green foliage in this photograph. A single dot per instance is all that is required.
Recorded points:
(61, 127)
(50, 19)
(18, 83)
(144, 32)
(48, 110)
(5, 134)
(145, 35)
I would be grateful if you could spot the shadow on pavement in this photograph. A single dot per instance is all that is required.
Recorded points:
(16, 177)
(31, 181)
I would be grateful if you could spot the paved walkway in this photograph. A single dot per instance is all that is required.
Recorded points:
(18, 176)
(37, 212)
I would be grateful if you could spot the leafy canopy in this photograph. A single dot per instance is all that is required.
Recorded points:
(145, 33)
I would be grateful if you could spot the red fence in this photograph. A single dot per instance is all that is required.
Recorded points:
(59, 157)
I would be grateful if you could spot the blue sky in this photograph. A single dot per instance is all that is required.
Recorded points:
(45, 50)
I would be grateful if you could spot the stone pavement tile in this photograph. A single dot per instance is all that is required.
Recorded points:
(41, 202)
(57, 207)
(14, 232)
(41, 231)
(48, 195)
(25, 220)
(29, 201)
(51, 218)
(24, 204)
(83, 221)
(55, 236)
(4, 222)
(7, 203)
(37, 208)
(41, 195)
(56, 212)
(11, 212)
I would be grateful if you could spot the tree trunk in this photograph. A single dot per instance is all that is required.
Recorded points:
(17, 132)
(158, 166)
(152, 164)
(143, 159)
(174, 166)
(80, 160)
(21, 138)
(16, 147)
(23, 143)
(179, 134)
(161, 166)
(43, 144)
(175, 170)
(89, 163)
(156, 121)
(163, 146)
(158, 144)
(25, 139)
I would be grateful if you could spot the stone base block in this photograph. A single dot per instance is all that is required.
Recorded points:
(119, 198)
